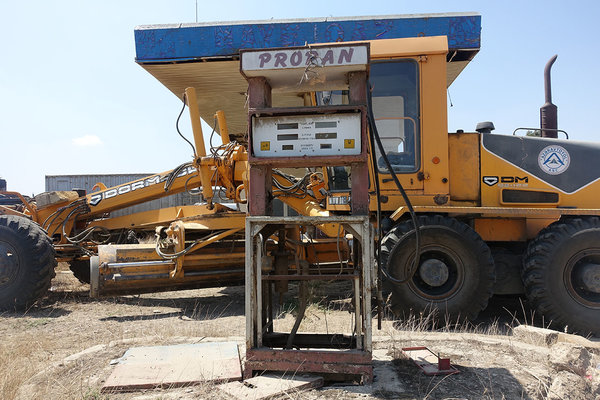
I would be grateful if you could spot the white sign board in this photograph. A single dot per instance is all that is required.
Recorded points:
(297, 67)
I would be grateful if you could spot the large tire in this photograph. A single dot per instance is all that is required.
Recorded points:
(561, 274)
(27, 262)
(81, 270)
(455, 277)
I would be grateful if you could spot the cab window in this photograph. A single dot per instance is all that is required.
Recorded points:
(396, 110)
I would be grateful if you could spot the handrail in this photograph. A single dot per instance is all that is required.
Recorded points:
(538, 129)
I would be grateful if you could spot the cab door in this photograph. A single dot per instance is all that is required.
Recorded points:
(396, 108)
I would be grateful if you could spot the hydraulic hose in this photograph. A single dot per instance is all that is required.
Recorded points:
(177, 126)
(374, 134)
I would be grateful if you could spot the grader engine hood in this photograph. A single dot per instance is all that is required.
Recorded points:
(544, 172)
(564, 164)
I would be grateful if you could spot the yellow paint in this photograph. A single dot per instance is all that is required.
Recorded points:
(223, 130)
(463, 154)
(215, 218)
(99, 186)
(501, 229)
(406, 47)
(497, 212)
(205, 175)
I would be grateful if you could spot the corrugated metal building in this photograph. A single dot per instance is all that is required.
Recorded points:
(87, 182)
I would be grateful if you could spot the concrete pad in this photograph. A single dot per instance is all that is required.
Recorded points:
(548, 337)
(591, 345)
(178, 365)
(536, 336)
(269, 385)
(385, 380)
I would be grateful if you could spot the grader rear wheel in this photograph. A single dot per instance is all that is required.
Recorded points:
(27, 262)
(455, 276)
(561, 274)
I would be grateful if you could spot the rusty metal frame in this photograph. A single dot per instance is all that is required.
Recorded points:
(9, 211)
(351, 363)
(31, 208)
(346, 361)
(260, 171)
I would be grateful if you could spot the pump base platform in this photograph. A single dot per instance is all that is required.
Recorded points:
(334, 363)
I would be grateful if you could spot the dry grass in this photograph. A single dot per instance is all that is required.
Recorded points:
(432, 322)
(21, 359)
(69, 322)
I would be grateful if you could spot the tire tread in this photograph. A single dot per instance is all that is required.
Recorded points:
(535, 267)
(39, 261)
(487, 271)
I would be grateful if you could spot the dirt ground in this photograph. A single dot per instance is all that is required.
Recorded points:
(62, 348)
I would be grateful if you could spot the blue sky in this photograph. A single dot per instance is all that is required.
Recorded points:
(73, 101)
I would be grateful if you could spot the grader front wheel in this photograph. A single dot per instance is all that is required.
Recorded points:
(455, 276)
(561, 274)
(27, 262)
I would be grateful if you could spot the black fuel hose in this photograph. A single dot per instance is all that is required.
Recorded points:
(374, 136)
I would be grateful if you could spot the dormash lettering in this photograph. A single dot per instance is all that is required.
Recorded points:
(96, 198)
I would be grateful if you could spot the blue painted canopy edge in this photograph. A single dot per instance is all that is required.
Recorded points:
(187, 42)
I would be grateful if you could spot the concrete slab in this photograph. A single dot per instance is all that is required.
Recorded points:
(269, 386)
(547, 337)
(536, 336)
(172, 366)
(385, 380)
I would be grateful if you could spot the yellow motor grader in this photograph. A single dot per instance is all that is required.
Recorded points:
(459, 216)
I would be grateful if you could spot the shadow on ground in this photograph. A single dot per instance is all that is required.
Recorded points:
(469, 383)
(37, 311)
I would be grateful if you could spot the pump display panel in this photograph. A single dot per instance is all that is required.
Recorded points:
(307, 135)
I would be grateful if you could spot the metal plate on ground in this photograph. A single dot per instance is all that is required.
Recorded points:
(177, 365)
(269, 386)
(429, 362)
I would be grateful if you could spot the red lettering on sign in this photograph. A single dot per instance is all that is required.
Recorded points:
(345, 54)
(280, 60)
(328, 57)
(296, 58)
(264, 58)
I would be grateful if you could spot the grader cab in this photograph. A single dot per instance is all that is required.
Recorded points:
(458, 216)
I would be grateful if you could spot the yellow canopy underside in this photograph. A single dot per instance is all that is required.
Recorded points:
(220, 86)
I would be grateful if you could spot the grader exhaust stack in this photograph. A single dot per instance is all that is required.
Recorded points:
(549, 111)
